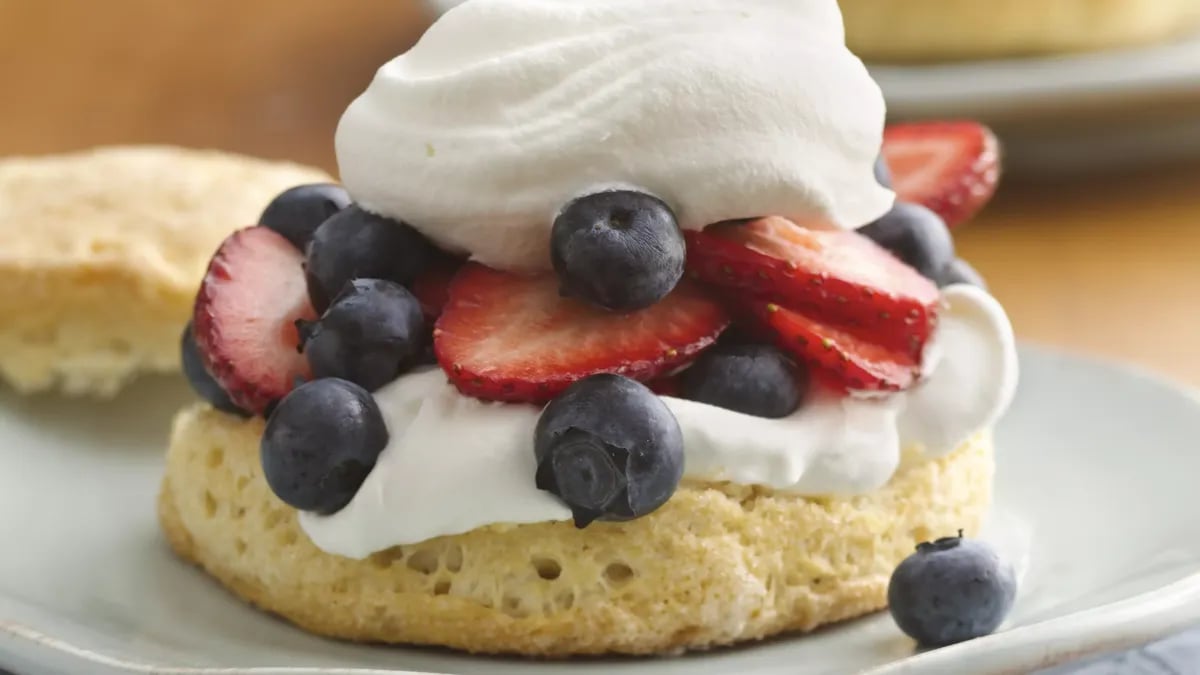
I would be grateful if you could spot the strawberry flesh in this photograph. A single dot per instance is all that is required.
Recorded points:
(951, 168)
(514, 338)
(839, 358)
(840, 276)
(245, 314)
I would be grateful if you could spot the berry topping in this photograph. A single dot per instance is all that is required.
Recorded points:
(297, 212)
(433, 285)
(842, 358)
(371, 333)
(320, 443)
(950, 167)
(203, 383)
(355, 244)
(840, 276)
(513, 338)
(753, 379)
(609, 449)
(951, 590)
(245, 317)
(621, 250)
(960, 271)
(915, 235)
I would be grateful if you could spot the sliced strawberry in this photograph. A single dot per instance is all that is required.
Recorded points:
(432, 286)
(950, 167)
(245, 317)
(838, 275)
(512, 338)
(841, 358)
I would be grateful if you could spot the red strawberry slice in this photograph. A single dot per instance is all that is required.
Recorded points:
(841, 358)
(433, 285)
(512, 338)
(838, 275)
(950, 167)
(245, 317)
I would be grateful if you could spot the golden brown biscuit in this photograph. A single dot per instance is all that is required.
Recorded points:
(102, 253)
(718, 564)
(925, 30)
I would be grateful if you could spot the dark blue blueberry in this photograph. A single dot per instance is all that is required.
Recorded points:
(608, 448)
(951, 590)
(883, 173)
(621, 250)
(960, 272)
(915, 235)
(297, 212)
(749, 378)
(197, 375)
(320, 443)
(373, 331)
(356, 244)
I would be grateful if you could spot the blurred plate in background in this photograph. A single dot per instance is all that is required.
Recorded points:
(1102, 111)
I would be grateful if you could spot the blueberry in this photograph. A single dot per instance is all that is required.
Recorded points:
(356, 244)
(883, 173)
(621, 250)
(320, 443)
(915, 235)
(297, 212)
(197, 375)
(951, 590)
(608, 448)
(960, 272)
(753, 379)
(373, 331)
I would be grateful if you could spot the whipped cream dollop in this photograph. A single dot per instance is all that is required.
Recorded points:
(454, 463)
(508, 109)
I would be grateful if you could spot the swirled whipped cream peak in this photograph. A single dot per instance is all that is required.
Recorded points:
(507, 109)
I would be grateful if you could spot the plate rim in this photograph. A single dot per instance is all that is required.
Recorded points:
(1122, 624)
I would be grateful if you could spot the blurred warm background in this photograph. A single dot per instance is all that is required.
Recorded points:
(1107, 264)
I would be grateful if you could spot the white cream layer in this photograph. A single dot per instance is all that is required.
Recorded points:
(507, 109)
(454, 463)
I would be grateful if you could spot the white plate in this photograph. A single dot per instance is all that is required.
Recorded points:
(1096, 499)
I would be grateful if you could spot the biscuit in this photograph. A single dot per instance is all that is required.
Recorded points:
(926, 30)
(717, 565)
(103, 251)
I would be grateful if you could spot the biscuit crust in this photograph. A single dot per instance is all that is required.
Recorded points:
(717, 565)
(103, 251)
(928, 30)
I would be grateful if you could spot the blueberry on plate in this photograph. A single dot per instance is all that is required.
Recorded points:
(621, 250)
(754, 379)
(915, 235)
(609, 449)
(951, 590)
(297, 212)
(197, 375)
(320, 443)
(357, 244)
(373, 331)
(960, 272)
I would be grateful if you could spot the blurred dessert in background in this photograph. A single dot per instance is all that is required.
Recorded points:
(102, 253)
(936, 30)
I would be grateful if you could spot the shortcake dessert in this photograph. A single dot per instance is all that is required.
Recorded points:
(626, 344)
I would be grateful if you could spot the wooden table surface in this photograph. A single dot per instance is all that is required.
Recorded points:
(1104, 266)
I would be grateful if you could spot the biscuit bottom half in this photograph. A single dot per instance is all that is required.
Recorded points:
(717, 565)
